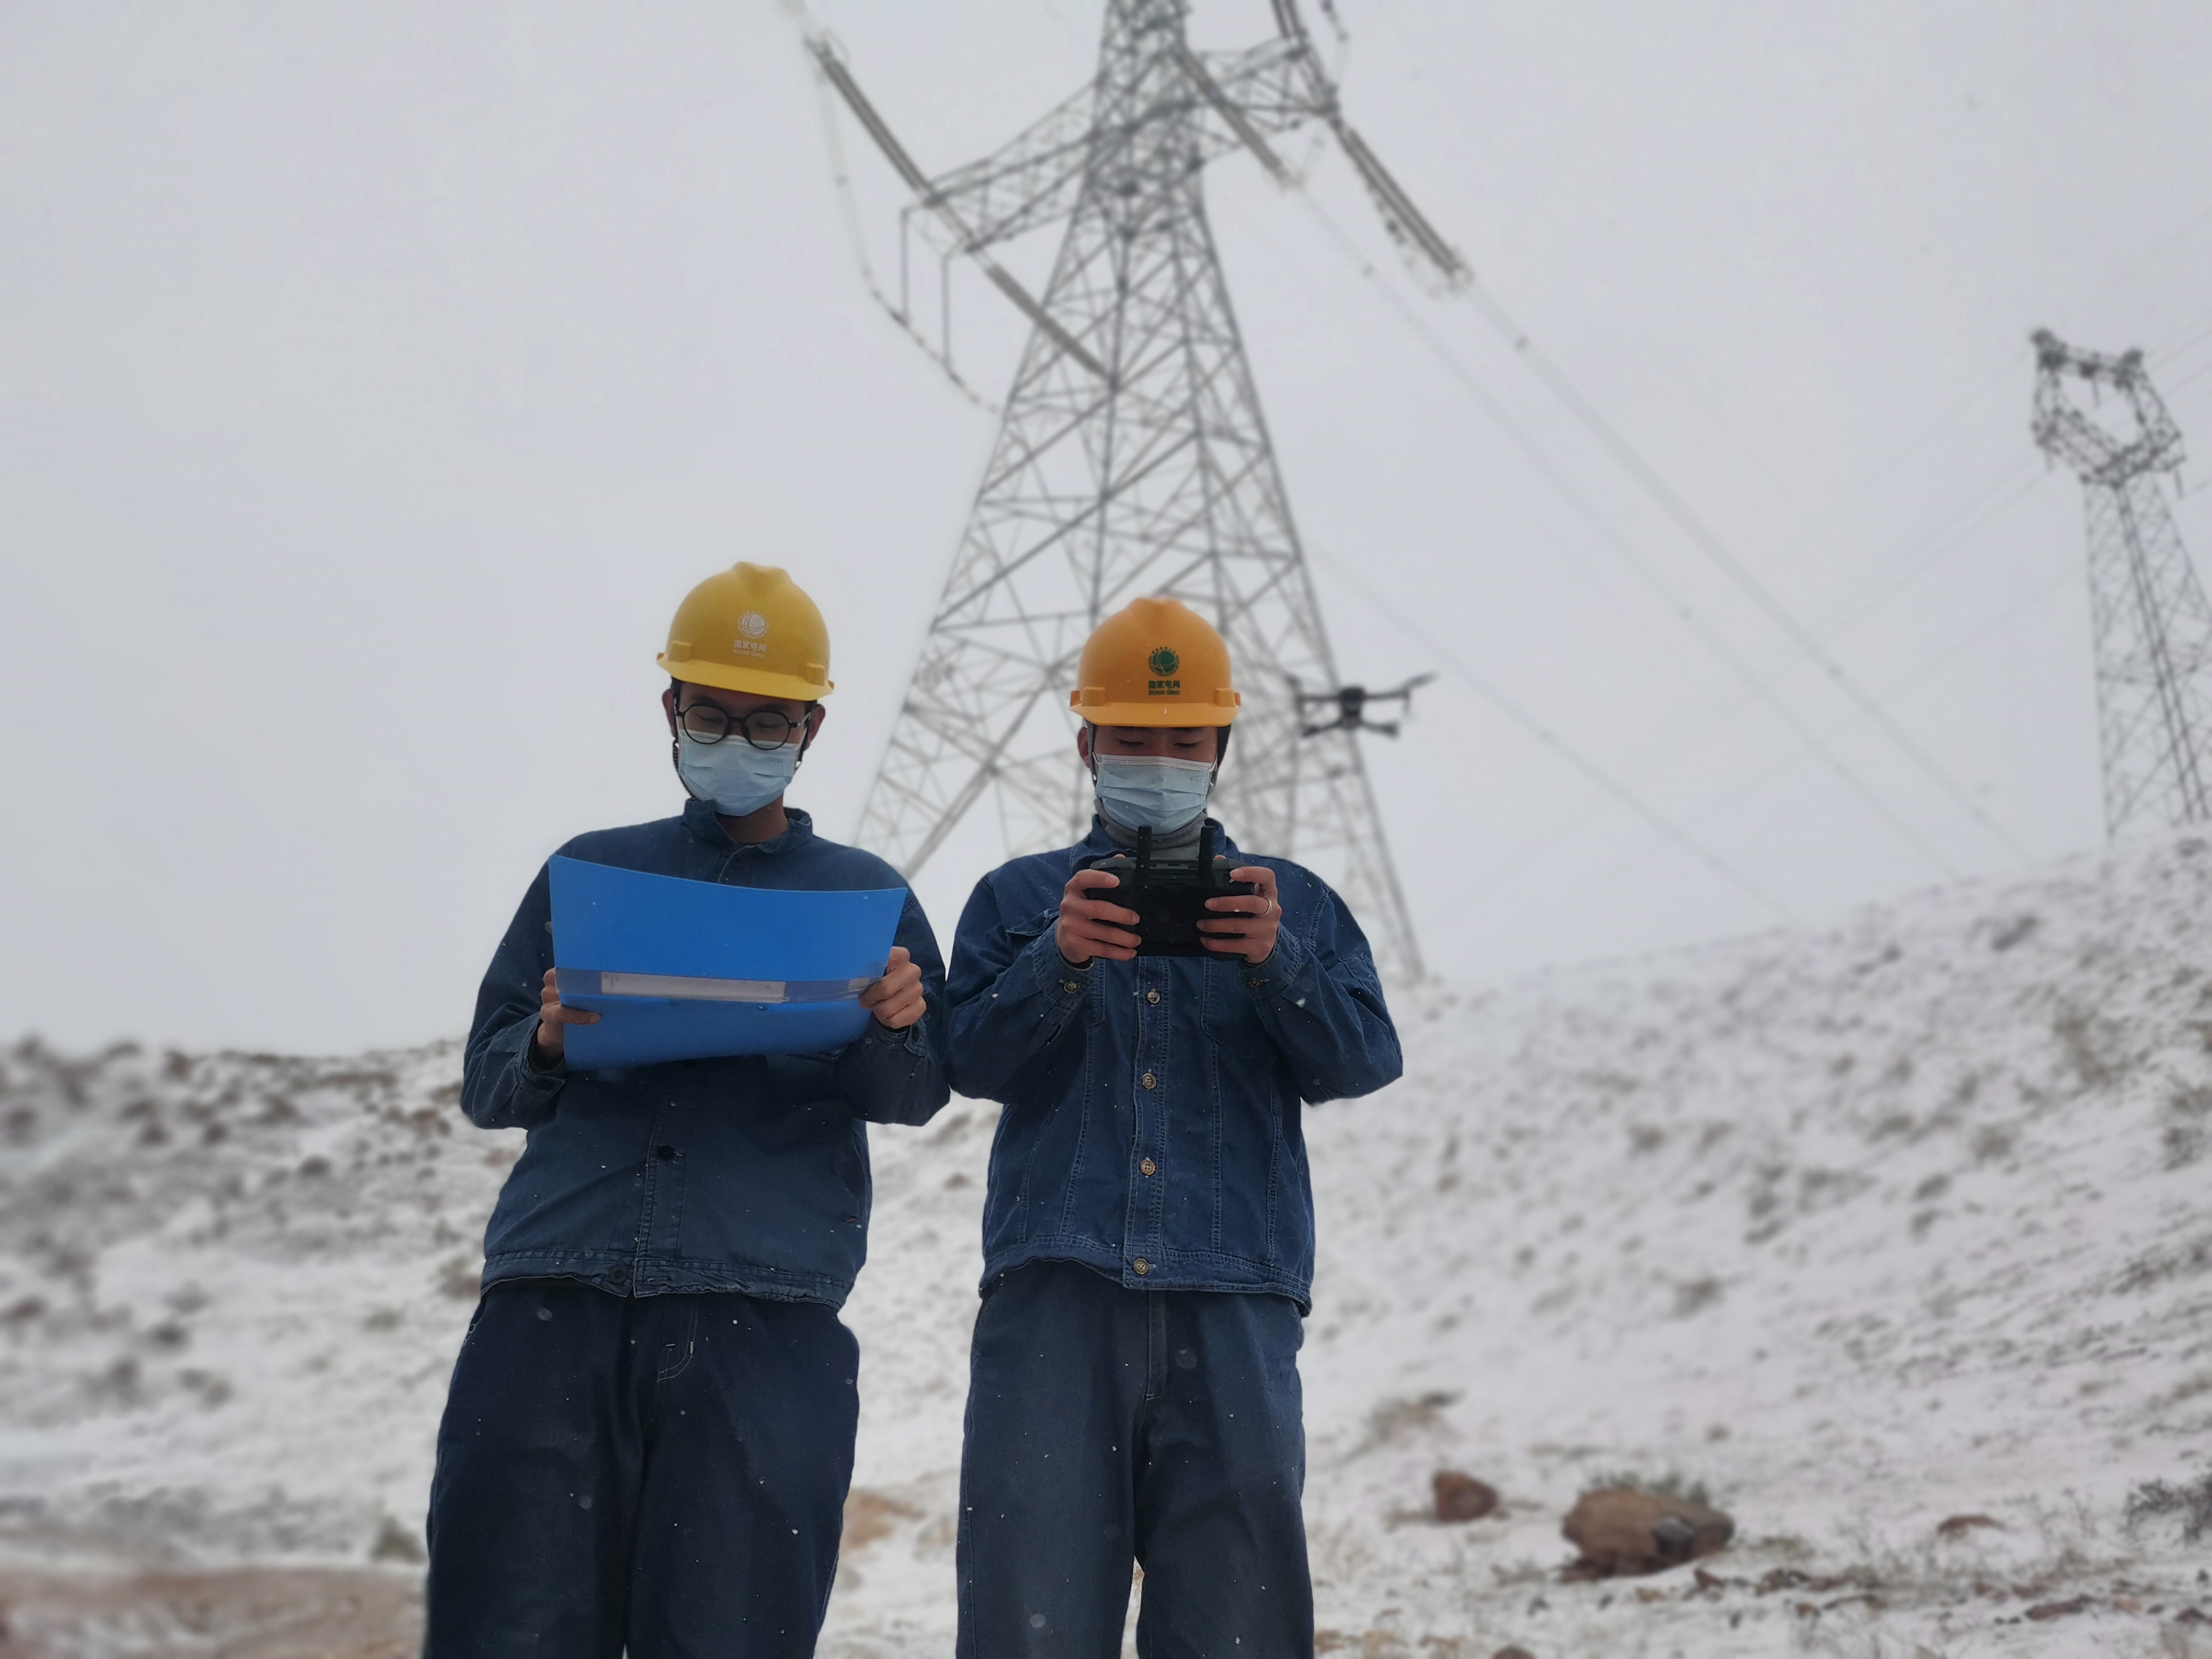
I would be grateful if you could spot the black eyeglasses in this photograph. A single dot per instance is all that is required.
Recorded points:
(763, 728)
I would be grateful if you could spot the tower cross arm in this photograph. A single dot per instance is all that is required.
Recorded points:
(1030, 181)
(2068, 436)
(949, 202)
(1276, 86)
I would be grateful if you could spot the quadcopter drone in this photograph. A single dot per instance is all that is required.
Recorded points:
(1351, 702)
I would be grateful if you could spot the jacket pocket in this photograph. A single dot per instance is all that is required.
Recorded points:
(1230, 1020)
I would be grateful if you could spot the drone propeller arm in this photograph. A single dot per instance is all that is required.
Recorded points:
(1403, 692)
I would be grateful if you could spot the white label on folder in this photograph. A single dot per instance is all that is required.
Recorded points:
(679, 988)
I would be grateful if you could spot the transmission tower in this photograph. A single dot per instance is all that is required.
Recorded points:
(2151, 628)
(1132, 458)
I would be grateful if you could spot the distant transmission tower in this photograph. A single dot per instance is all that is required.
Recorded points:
(1131, 458)
(2152, 629)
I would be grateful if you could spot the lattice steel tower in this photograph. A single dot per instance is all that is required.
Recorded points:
(1132, 458)
(2151, 627)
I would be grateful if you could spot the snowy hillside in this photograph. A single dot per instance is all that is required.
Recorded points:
(1862, 1230)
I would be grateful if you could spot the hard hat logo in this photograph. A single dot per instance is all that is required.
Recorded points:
(752, 625)
(1164, 662)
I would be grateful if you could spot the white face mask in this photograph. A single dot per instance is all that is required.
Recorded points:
(737, 777)
(1152, 792)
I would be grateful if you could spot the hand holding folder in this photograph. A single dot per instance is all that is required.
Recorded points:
(556, 1017)
(897, 999)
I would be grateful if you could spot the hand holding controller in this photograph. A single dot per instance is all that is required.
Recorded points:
(1249, 920)
(1092, 926)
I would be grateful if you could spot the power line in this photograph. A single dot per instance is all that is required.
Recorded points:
(1701, 722)
(1905, 682)
(2128, 274)
(1953, 531)
(1698, 724)
(2007, 491)
(2018, 483)
(2187, 345)
(1708, 541)
(1916, 561)
(1750, 787)
(2190, 379)
(1702, 536)
(1622, 549)
(1815, 525)
(1506, 705)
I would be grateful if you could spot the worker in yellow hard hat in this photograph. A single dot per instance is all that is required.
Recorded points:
(649, 1432)
(1151, 1006)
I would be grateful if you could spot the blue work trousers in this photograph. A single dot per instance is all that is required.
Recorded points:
(1107, 1427)
(661, 1475)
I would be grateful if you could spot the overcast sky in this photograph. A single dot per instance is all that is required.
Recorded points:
(374, 379)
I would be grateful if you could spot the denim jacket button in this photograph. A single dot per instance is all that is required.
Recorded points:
(1152, 996)
(1148, 1081)
(1071, 985)
(1142, 1266)
(1149, 1167)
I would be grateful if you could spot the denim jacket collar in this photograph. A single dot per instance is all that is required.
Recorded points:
(701, 819)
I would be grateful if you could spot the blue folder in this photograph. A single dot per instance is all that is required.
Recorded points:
(680, 970)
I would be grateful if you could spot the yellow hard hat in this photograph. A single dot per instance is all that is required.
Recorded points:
(750, 627)
(1154, 662)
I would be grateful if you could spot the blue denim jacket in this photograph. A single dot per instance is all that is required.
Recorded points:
(1151, 1128)
(747, 1174)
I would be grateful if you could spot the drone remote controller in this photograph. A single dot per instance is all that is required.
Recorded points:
(1169, 896)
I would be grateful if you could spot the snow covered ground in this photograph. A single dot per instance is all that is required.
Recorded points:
(1862, 1229)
